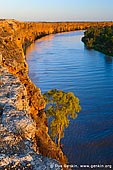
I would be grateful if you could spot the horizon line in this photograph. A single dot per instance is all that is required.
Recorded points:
(56, 20)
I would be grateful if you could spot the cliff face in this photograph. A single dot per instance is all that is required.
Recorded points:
(14, 38)
(18, 145)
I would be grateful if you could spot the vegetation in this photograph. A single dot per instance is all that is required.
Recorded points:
(99, 38)
(61, 106)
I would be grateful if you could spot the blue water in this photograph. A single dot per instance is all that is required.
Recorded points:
(61, 61)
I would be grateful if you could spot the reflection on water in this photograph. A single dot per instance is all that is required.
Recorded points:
(63, 62)
(108, 59)
(34, 47)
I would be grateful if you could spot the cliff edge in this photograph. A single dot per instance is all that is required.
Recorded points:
(22, 117)
(18, 146)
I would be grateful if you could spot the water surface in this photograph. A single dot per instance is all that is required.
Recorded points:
(61, 61)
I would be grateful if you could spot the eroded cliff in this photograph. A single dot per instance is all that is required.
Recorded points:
(18, 145)
(22, 96)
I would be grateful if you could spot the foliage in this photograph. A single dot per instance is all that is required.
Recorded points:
(60, 107)
(99, 38)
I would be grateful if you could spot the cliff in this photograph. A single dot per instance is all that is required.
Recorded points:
(22, 117)
(18, 146)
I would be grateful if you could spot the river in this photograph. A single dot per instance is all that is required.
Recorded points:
(61, 61)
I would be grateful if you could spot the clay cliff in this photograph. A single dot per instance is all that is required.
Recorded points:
(23, 122)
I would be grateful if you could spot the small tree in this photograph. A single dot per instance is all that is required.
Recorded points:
(60, 107)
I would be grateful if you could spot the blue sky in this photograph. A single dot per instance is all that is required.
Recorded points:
(57, 10)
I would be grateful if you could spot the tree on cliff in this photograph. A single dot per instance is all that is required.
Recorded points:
(61, 106)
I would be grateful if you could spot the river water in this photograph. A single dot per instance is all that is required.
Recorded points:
(61, 61)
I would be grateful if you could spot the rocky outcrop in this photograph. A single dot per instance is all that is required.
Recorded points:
(24, 130)
(18, 146)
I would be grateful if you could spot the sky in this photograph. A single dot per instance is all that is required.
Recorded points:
(57, 10)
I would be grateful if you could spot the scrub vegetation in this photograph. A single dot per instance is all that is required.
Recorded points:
(100, 39)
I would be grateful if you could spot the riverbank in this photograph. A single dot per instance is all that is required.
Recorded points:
(15, 37)
(100, 39)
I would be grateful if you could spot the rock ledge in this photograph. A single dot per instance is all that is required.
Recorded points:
(18, 149)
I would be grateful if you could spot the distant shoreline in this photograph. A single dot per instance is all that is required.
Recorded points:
(100, 39)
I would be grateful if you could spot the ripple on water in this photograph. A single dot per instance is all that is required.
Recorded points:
(64, 63)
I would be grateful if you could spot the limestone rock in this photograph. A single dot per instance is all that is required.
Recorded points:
(18, 148)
